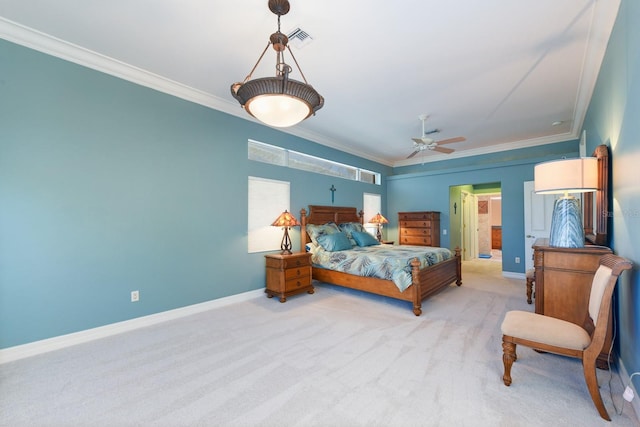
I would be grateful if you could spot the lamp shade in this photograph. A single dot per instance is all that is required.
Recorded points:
(566, 176)
(378, 219)
(278, 101)
(285, 220)
(563, 177)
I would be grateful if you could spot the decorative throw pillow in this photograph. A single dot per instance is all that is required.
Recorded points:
(334, 242)
(314, 230)
(350, 227)
(364, 238)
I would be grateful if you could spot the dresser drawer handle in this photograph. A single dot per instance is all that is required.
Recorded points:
(298, 283)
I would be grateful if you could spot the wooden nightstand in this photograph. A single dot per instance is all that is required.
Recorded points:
(288, 275)
(387, 242)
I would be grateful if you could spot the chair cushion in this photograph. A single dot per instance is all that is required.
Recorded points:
(545, 330)
(598, 285)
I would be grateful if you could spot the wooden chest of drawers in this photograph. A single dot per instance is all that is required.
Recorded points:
(419, 228)
(288, 275)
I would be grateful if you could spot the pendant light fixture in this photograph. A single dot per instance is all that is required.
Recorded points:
(278, 101)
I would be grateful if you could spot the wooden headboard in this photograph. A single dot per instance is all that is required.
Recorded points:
(323, 214)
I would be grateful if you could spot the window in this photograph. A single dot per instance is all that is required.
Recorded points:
(271, 154)
(371, 206)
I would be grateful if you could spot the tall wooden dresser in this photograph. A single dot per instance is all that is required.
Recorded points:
(563, 284)
(419, 228)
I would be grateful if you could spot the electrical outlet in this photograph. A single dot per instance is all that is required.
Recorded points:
(135, 296)
(517, 260)
(628, 394)
(444, 232)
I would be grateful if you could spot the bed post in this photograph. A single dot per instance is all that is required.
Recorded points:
(303, 230)
(361, 215)
(417, 289)
(458, 266)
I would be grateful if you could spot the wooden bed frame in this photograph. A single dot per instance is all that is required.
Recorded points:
(426, 281)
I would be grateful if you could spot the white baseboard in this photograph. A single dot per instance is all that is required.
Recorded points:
(514, 275)
(624, 376)
(38, 347)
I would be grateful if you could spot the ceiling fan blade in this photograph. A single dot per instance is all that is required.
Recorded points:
(413, 154)
(450, 140)
(418, 140)
(443, 150)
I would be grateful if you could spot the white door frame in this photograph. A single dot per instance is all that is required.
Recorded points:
(469, 225)
(538, 210)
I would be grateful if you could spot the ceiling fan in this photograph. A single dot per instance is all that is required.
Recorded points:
(427, 143)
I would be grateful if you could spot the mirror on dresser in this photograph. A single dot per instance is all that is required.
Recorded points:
(596, 205)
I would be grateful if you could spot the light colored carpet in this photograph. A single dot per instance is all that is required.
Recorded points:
(334, 358)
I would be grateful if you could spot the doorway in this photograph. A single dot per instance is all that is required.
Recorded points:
(476, 221)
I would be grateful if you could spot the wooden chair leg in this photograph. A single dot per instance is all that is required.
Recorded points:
(529, 290)
(589, 368)
(508, 357)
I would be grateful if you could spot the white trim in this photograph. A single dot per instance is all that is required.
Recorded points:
(624, 377)
(56, 343)
(45, 43)
(514, 275)
(602, 22)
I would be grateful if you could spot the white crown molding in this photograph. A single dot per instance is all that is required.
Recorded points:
(53, 46)
(56, 343)
(603, 19)
(59, 48)
(534, 142)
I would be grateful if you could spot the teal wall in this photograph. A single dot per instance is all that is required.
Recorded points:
(428, 187)
(613, 119)
(108, 187)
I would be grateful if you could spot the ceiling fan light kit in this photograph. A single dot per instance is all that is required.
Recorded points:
(425, 143)
(278, 101)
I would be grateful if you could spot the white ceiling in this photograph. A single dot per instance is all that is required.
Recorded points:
(498, 72)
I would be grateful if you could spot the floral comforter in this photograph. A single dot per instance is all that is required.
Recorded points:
(387, 262)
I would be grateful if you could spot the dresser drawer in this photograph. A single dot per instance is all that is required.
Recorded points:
(418, 215)
(416, 240)
(415, 224)
(419, 232)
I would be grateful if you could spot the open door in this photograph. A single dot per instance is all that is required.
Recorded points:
(538, 209)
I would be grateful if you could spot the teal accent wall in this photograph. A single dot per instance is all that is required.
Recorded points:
(432, 187)
(108, 187)
(613, 119)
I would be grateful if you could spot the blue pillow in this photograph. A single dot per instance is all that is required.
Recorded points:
(314, 230)
(334, 242)
(363, 238)
(349, 227)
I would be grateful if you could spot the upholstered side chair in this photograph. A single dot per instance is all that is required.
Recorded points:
(548, 334)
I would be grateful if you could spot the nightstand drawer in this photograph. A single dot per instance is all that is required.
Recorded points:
(297, 283)
(296, 262)
(293, 273)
